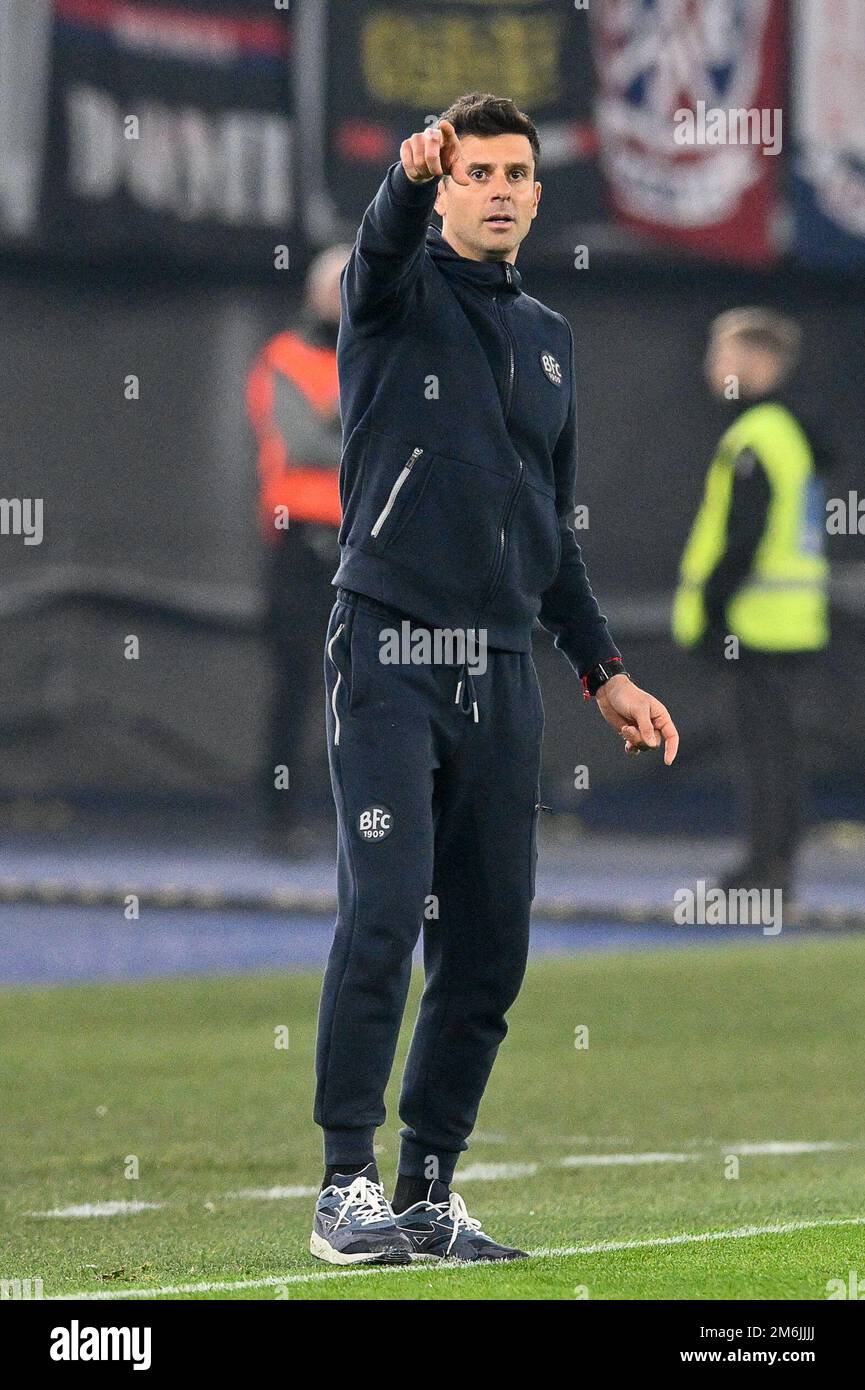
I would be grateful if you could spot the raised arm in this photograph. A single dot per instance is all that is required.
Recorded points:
(387, 256)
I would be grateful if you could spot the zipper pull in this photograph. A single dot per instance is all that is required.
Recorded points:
(403, 475)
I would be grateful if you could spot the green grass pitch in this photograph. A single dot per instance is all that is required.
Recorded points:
(691, 1052)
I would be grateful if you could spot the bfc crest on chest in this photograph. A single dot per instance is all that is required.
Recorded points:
(552, 368)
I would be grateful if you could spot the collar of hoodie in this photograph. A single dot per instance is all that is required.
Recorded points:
(492, 276)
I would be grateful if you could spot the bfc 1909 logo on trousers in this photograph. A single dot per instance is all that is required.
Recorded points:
(375, 823)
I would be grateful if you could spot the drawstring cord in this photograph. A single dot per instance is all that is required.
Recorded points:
(466, 689)
(466, 698)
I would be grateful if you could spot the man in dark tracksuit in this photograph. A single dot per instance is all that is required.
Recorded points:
(457, 483)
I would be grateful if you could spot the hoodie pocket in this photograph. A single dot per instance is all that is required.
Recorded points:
(535, 547)
(384, 515)
(440, 520)
(389, 478)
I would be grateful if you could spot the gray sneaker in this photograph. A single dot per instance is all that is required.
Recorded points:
(445, 1231)
(354, 1224)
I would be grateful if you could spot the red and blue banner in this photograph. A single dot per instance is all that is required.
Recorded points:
(170, 131)
(690, 122)
(829, 103)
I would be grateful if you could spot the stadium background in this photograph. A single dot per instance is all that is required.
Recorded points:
(263, 125)
(156, 257)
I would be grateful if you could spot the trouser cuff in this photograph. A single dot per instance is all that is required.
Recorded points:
(348, 1145)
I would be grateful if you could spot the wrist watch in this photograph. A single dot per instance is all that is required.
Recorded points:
(600, 674)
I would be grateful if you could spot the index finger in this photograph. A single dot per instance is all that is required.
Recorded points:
(451, 153)
(433, 144)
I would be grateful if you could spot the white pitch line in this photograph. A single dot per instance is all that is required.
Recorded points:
(84, 1209)
(781, 1228)
(482, 1172)
(473, 1172)
(276, 1281)
(271, 1194)
(785, 1146)
(490, 1172)
(612, 1160)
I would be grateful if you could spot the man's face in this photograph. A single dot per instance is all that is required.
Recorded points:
(487, 219)
(729, 359)
(724, 362)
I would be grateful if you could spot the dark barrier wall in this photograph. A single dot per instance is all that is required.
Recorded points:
(149, 529)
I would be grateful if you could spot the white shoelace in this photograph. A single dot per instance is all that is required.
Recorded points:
(457, 1212)
(364, 1202)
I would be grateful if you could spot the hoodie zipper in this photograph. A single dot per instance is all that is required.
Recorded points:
(502, 537)
(503, 540)
(394, 492)
(511, 354)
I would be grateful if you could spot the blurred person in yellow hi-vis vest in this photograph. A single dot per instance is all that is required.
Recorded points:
(752, 592)
(292, 398)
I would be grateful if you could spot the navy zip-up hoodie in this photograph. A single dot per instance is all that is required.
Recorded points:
(458, 404)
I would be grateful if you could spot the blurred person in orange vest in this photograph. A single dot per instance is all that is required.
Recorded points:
(293, 404)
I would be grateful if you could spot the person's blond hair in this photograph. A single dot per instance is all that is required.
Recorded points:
(765, 329)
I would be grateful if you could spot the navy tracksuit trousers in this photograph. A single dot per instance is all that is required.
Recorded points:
(437, 829)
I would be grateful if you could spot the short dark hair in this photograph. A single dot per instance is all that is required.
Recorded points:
(482, 113)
